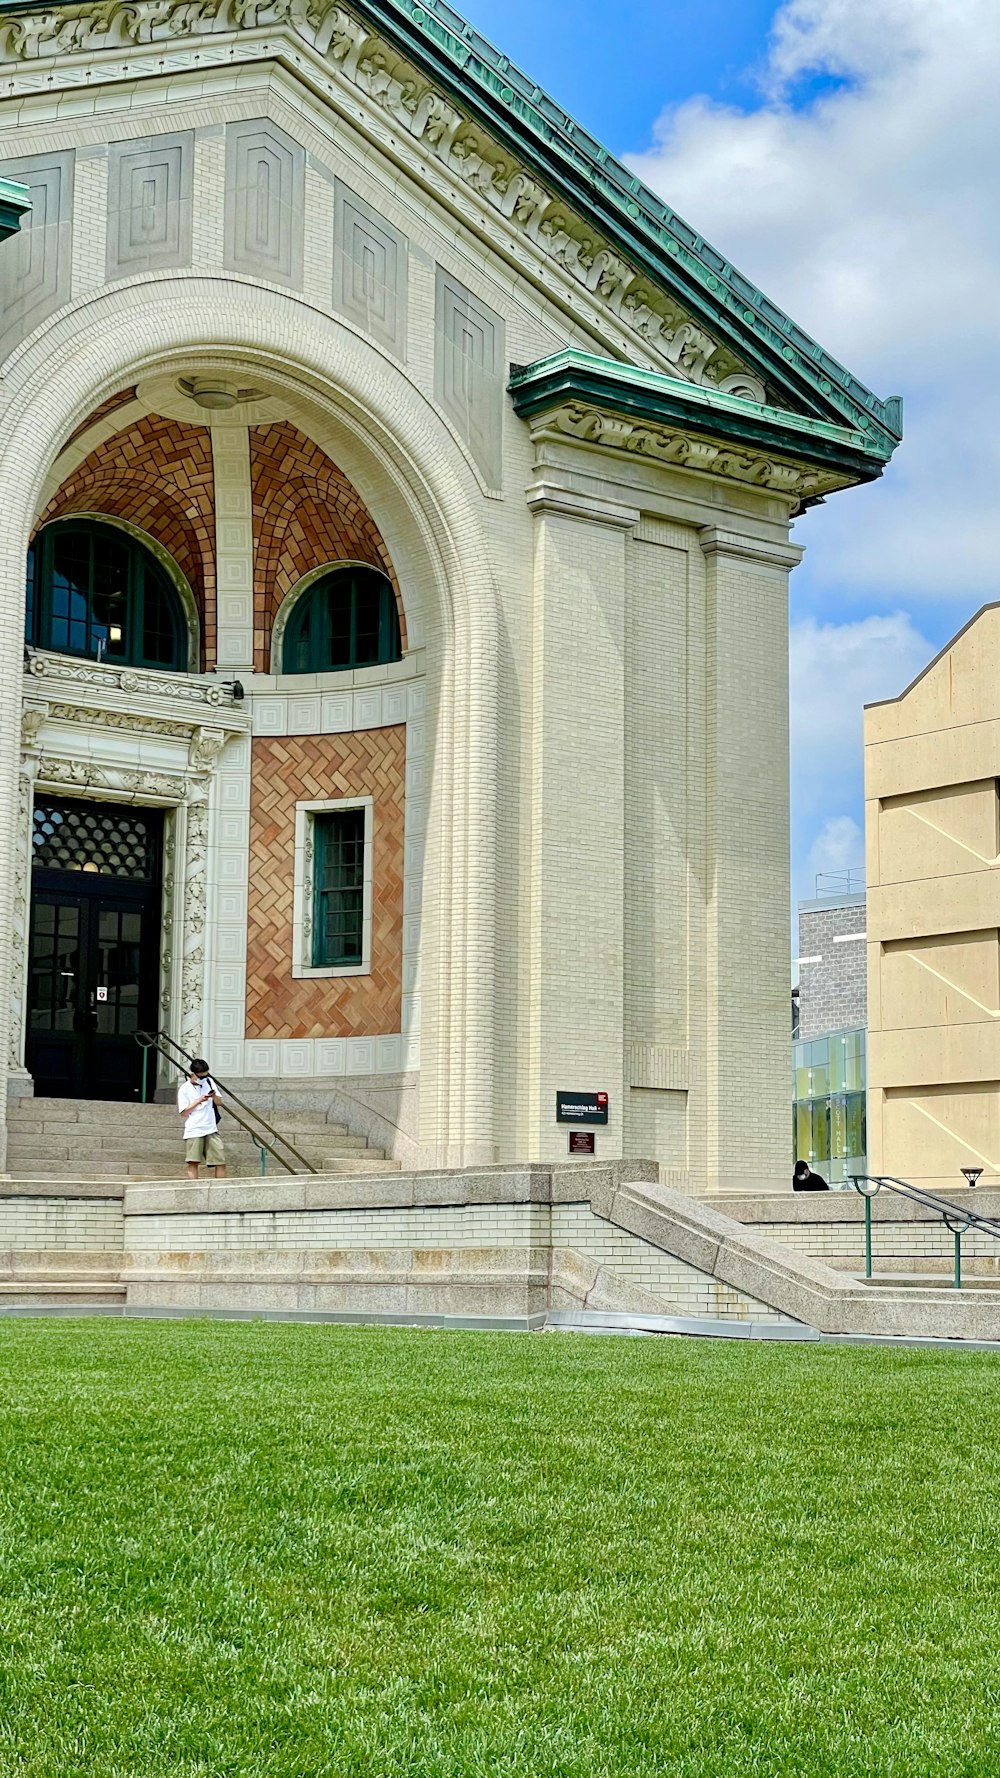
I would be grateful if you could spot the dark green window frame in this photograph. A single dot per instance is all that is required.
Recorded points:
(347, 618)
(338, 887)
(92, 590)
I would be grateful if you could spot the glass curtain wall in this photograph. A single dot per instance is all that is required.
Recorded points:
(829, 1079)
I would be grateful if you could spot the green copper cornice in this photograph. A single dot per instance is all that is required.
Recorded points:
(15, 202)
(445, 46)
(484, 85)
(650, 399)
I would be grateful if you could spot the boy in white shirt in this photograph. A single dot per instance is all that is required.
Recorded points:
(196, 1101)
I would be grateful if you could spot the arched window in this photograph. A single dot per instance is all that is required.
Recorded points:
(347, 618)
(93, 590)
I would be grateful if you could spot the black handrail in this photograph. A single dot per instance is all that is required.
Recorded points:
(157, 1040)
(956, 1217)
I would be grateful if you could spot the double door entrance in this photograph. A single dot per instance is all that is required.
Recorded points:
(94, 947)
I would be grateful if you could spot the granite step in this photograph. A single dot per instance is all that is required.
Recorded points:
(311, 1143)
(118, 1171)
(49, 1115)
(928, 1281)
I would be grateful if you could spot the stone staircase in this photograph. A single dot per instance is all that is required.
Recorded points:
(81, 1139)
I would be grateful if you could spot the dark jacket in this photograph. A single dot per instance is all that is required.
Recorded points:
(814, 1182)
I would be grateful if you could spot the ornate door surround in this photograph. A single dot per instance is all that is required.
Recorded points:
(119, 735)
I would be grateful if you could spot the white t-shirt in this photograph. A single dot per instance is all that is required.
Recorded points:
(201, 1122)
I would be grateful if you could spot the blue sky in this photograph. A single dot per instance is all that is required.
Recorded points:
(843, 153)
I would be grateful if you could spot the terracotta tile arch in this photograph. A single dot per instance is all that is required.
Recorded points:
(306, 513)
(157, 475)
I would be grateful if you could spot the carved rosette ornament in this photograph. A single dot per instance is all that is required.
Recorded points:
(549, 227)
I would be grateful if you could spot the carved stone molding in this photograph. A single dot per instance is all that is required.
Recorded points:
(565, 240)
(56, 667)
(20, 913)
(33, 717)
(113, 719)
(685, 450)
(206, 746)
(195, 911)
(85, 777)
(109, 697)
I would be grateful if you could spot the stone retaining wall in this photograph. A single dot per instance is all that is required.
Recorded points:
(905, 1236)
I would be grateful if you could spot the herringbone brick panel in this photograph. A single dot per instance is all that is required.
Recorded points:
(158, 475)
(311, 768)
(305, 513)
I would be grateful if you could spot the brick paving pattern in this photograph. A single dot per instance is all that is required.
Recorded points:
(309, 768)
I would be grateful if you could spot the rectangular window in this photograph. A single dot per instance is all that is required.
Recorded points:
(332, 906)
(338, 889)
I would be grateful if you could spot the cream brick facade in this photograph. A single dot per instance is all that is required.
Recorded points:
(932, 768)
(594, 683)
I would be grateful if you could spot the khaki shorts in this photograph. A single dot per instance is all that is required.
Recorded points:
(209, 1149)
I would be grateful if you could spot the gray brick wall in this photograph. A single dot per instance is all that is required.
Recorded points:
(833, 982)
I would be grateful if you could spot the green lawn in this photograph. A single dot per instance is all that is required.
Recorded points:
(316, 1552)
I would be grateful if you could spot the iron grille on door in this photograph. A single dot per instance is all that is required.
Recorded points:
(91, 837)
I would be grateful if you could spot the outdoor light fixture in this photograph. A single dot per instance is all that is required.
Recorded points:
(971, 1174)
(213, 392)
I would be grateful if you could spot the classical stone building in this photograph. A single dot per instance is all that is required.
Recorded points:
(932, 771)
(405, 491)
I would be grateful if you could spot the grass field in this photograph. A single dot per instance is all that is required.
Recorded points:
(313, 1552)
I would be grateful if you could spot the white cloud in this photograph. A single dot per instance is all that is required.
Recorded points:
(835, 670)
(839, 846)
(869, 214)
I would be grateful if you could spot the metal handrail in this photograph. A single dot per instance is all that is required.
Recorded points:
(957, 1219)
(157, 1040)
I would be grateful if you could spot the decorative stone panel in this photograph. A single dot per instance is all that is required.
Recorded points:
(265, 187)
(316, 767)
(158, 475)
(370, 270)
(36, 267)
(149, 204)
(305, 513)
(469, 370)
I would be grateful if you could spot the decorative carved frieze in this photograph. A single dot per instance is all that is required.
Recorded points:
(371, 66)
(685, 450)
(132, 680)
(86, 776)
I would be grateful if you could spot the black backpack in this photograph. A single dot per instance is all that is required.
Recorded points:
(209, 1082)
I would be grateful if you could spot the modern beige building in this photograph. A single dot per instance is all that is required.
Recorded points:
(404, 715)
(932, 767)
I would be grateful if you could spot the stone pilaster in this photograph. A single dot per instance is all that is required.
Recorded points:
(748, 936)
(234, 548)
(575, 959)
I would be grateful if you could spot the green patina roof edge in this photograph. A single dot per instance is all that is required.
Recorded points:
(649, 396)
(642, 224)
(449, 50)
(15, 202)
